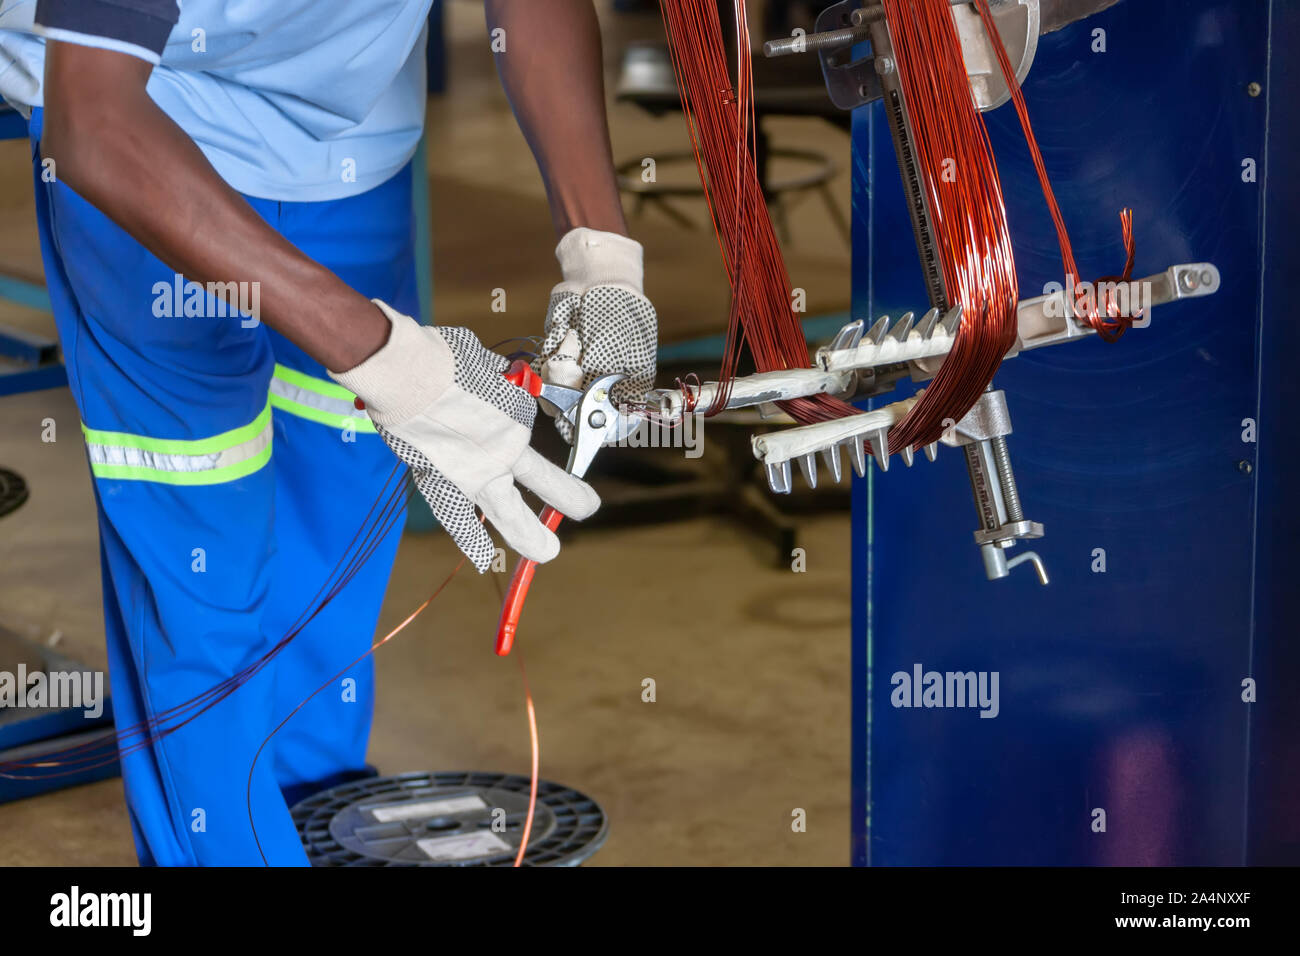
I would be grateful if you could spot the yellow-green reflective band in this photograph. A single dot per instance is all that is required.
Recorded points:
(206, 461)
(317, 400)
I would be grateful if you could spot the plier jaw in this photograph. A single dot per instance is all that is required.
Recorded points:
(596, 420)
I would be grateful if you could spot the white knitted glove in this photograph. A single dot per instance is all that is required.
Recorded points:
(440, 400)
(599, 320)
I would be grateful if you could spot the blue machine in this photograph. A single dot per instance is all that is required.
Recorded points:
(1167, 456)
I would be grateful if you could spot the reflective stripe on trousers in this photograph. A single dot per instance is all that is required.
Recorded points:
(228, 456)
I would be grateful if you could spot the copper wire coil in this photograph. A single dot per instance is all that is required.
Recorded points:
(959, 177)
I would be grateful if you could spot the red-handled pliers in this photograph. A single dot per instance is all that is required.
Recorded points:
(596, 421)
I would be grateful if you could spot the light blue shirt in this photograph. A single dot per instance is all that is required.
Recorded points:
(295, 100)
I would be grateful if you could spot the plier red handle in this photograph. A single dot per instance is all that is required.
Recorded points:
(595, 421)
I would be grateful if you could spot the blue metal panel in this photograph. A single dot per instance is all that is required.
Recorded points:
(1274, 834)
(1118, 690)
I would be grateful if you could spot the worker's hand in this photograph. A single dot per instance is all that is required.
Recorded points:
(599, 320)
(440, 400)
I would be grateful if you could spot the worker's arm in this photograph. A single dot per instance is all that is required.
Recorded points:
(598, 320)
(549, 58)
(112, 144)
(436, 395)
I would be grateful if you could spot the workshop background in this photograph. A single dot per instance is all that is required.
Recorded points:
(751, 660)
(1121, 689)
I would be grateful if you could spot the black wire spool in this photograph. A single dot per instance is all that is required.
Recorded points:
(13, 491)
(448, 819)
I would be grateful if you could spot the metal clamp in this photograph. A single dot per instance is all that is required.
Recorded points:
(851, 83)
(982, 435)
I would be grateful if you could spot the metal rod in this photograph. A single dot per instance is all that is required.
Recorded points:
(757, 389)
(1007, 478)
(862, 18)
(812, 42)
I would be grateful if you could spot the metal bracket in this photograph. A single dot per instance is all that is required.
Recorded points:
(1050, 319)
(1018, 25)
(849, 82)
(982, 435)
(852, 82)
(989, 418)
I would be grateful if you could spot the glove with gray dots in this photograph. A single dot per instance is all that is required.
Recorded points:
(599, 320)
(441, 401)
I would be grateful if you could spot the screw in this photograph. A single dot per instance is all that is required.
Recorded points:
(1007, 478)
(1188, 281)
(1254, 89)
(884, 65)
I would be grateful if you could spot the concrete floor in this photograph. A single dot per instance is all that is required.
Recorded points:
(751, 662)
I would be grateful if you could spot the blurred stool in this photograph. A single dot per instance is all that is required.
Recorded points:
(792, 86)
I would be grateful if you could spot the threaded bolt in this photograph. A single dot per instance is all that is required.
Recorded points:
(1007, 478)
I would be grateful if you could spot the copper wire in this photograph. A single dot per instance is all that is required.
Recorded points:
(105, 750)
(722, 125)
(1110, 325)
(113, 745)
(959, 177)
(248, 793)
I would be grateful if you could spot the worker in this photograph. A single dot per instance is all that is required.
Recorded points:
(263, 152)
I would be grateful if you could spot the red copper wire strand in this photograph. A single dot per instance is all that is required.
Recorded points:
(968, 220)
(1111, 325)
(111, 746)
(248, 793)
(959, 177)
(103, 751)
(721, 124)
